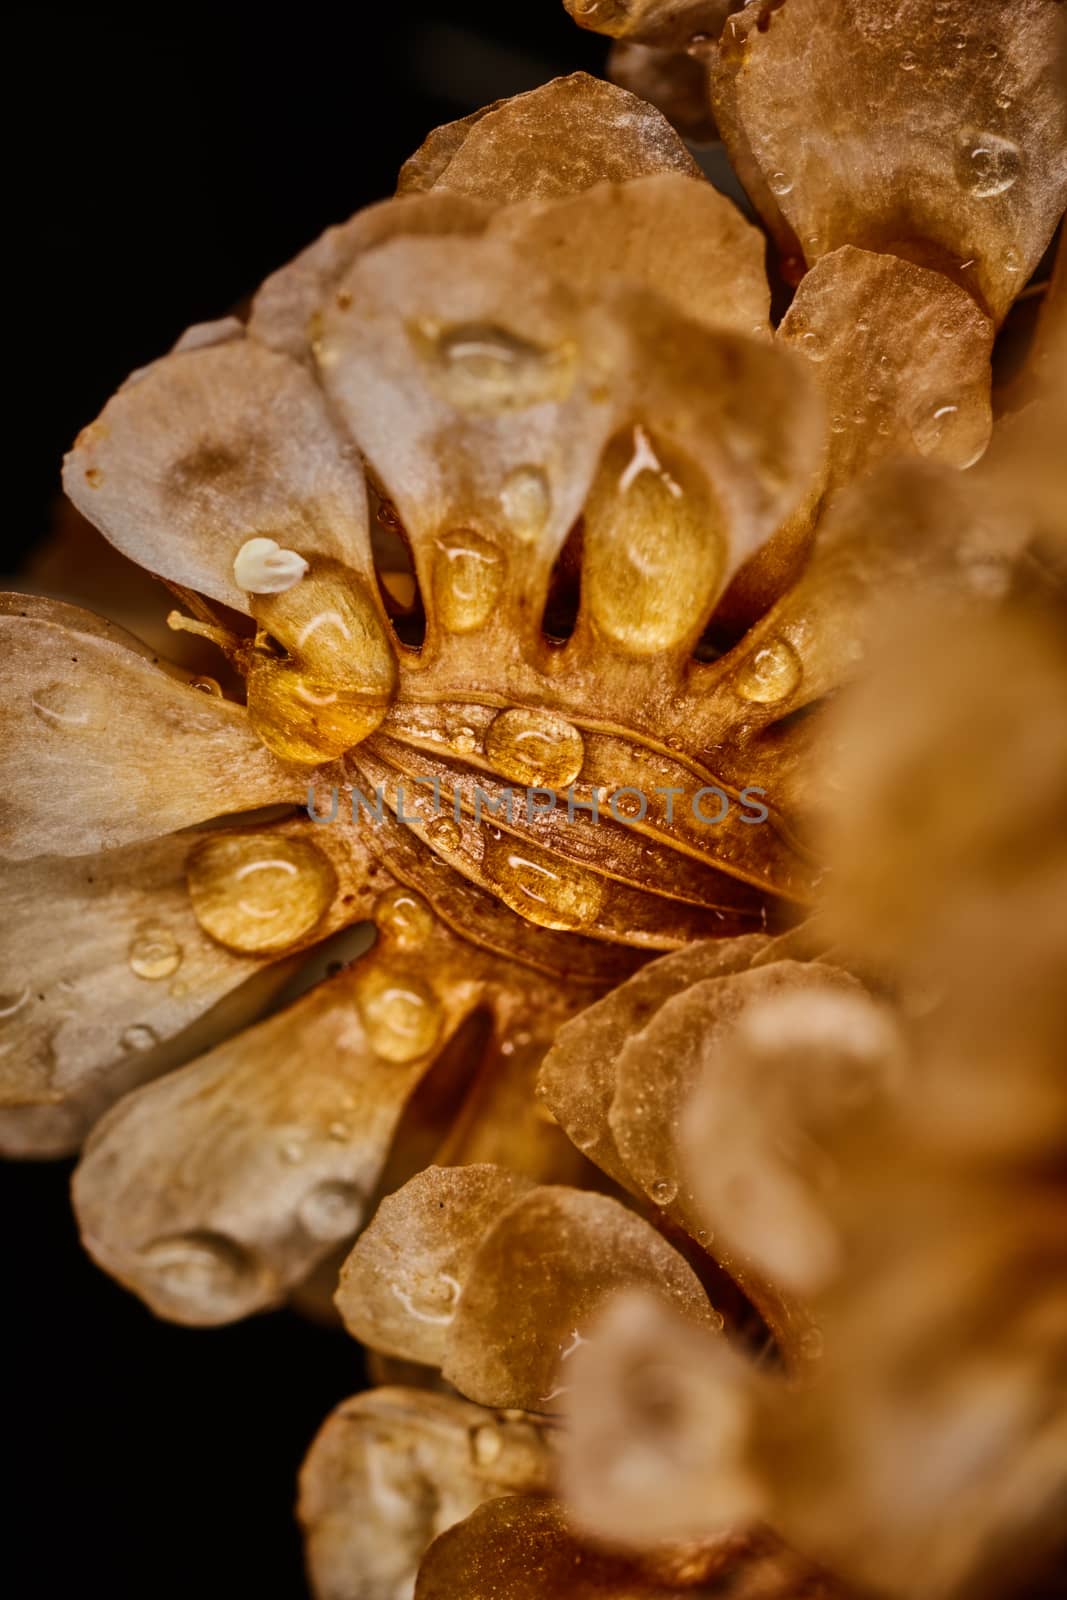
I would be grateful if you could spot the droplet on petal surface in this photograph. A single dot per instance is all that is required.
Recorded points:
(771, 673)
(526, 501)
(988, 165)
(535, 747)
(401, 1014)
(483, 367)
(545, 890)
(155, 953)
(468, 573)
(258, 893)
(404, 917)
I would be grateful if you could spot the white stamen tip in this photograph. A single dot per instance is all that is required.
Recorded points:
(263, 567)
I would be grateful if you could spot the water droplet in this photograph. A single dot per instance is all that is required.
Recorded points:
(259, 892)
(68, 705)
(1011, 261)
(526, 501)
(810, 345)
(198, 1270)
(401, 1014)
(139, 1037)
(544, 890)
(12, 1002)
(331, 1211)
(483, 367)
(909, 61)
(293, 1152)
(771, 674)
(486, 1445)
(780, 182)
(155, 953)
(468, 574)
(654, 546)
(535, 748)
(209, 686)
(1004, 102)
(464, 740)
(404, 917)
(444, 833)
(811, 1344)
(988, 165)
(837, 423)
(663, 1191)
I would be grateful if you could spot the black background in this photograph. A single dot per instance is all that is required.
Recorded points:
(160, 164)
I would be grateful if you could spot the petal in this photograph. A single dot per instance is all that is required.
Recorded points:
(213, 447)
(109, 981)
(390, 1470)
(669, 233)
(556, 140)
(902, 356)
(535, 1282)
(101, 748)
(657, 1430)
(937, 135)
(670, 23)
(400, 1285)
(284, 310)
(577, 1078)
(673, 81)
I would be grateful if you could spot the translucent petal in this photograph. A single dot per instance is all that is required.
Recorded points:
(390, 1470)
(400, 1286)
(103, 748)
(937, 133)
(556, 140)
(536, 1280)
(210, 448)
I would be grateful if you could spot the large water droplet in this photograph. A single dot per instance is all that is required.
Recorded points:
(259, 892)
(468, 573)
(404, 917)
(201, 1271)
(68, 705)
(781, 183)
(154, 953)
(544, 890)
(526, 501)
(401, 1014)
(988, 165)
(654, 545)
(331, 1211)
(663, 1191)
(770, 674)
(535, 748)
(479, 366)
(444, 833)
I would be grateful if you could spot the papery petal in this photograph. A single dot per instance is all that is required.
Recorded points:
(536, 1280)
(102, 748)
(210, 448)
(937, 134)
(400, 1286)
(555, 140)
(902, 358)
(390, 1470)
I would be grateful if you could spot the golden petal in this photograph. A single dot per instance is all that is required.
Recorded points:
(937, 134)
(391, 1469)
(109, 981)
(421, 171)
(669, 23)
(400, 1286)
(102, 748)
(556, 140)
(538, 1277)
(902, 356)
(213, 447)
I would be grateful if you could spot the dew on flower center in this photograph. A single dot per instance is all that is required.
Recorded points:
(526, 501)
(988, 165)
(654, 546)
(257, 893)
(535, 747)
(404, 918)
(154, 953)
(482, 367)
(550, 893)
(771, 674)
(468, 574)
(401, 1014)
(331, 1211)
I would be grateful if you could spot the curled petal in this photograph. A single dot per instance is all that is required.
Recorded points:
(556, 140)
(102, 748)
(538, 1277)
(401, 1284)
(213, 447)
(938, 134)
(391, 1469)
(902, 356)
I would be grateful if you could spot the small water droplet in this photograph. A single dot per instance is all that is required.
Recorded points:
(781, 183)
(404, 917)
(155, 953)
(838, 423)
(259, 892)
(68, 705)
(988, 165)
(465, 740)
(811, 1344)
(401, 1014)
(293, 1152)
(909, 61)
(444, 833)
(812, 346)
(535, 748)
(484, 367)
(139, 1037)
(526, 501)
(663, 1191)
(771, 674)
(209, 686)
(545, 890)
(331, 1211)
(468, 574)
